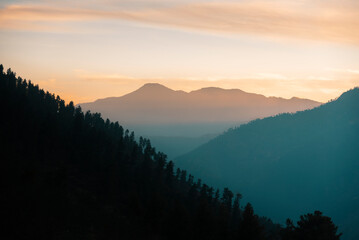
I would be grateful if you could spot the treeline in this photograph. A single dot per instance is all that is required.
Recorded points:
(72, 175)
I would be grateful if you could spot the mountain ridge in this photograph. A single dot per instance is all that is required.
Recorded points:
(157, 86)
(154, 103)
(74, 175)
(284, 158)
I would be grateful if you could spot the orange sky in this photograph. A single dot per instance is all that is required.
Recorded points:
(85, 50)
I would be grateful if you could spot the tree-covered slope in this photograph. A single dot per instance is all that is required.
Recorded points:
(72, 175)
(291, 162)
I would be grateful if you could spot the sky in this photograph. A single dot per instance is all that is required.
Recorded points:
(86, 50)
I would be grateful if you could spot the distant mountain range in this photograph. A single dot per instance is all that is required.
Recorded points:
(66, 174)
(178, 113)
(73, 175)
(291, 162)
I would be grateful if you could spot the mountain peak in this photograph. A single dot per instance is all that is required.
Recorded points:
(153, 89)
(212, 90)
(153, 86)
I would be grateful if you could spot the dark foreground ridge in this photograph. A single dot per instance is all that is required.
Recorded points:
(72, 175)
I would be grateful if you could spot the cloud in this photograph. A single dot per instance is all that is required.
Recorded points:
(347, 71)
(316, 20)
(271, 76)
(320, 78)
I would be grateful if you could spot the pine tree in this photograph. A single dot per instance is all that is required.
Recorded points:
(316, 227)
(250, 229)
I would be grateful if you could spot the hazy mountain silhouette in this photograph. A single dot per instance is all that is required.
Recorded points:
(291, 162)
(157, 105)
(176, 146)
(178, 121)
(73, 175)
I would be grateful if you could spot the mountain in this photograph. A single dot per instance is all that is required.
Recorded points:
(66, 174)
(178, 113)
(291, 162)
(177, 146)
(178, 121)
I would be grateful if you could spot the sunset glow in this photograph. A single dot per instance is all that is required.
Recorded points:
(86, 50)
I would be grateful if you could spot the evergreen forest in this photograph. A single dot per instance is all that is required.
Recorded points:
(69, 174)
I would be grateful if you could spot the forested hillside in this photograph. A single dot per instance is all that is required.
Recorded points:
(291, 162)
(72, 175)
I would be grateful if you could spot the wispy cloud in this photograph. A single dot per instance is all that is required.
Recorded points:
(270, 76)
(320, 78)
(319, 21)
(348, 71)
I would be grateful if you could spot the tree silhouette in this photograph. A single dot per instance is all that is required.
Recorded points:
(312, 226)
(73, 175)
(250, 229)
(316, 226)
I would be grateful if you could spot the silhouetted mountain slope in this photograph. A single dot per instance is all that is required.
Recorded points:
(70, 175)
(293, 162)
(157, 104)
(66, 174)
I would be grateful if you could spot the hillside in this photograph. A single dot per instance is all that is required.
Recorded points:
(154, 105)
(70, 175)
(293, 162)
(177, 146)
